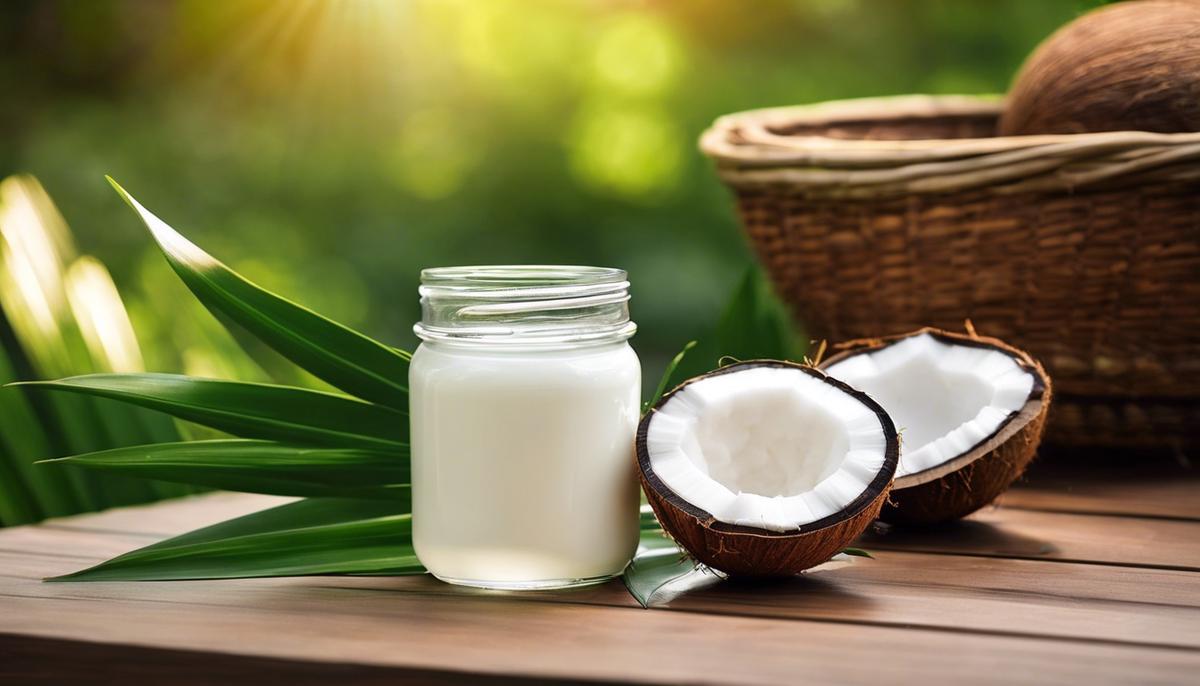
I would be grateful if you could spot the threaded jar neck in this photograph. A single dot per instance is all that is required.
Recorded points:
(524, 305)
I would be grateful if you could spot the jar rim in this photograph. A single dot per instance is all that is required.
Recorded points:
(519, 275)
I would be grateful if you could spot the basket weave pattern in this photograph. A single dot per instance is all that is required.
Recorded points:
(1084, 250)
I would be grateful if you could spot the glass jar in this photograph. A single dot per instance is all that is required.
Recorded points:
(524, 403)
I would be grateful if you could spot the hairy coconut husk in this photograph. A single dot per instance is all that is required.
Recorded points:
(1131, 66)
(964, 484)
(747, 551)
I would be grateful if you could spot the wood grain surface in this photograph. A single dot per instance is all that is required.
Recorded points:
(1040, 590)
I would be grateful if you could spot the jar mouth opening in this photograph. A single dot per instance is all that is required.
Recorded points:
(501, 337)
(484, 277)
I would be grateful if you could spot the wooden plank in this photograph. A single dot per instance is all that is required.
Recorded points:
(1110, 482)
(827, 597)
(81, 547)
(936, 591)
(1149, 488)
(837, 598)
(33, 660)
(1030, 534)
(1034, 598)
(1029, 577)
(504, 636)
(1013, 578)
(94, 537)
(171, 517)
(80, 542)
(1033, 577)
(996, 532)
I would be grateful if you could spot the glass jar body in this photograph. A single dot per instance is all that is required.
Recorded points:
(522, 466)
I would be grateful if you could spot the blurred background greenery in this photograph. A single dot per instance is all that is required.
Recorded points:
(330, 149)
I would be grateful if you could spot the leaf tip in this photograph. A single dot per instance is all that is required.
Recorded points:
(171, 241)
(121, 191)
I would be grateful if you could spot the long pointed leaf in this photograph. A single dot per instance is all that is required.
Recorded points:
(313, 536)
(161, 428)
(341, 356)
(74, 428)
(249, 410)
(258, 467)
(17, 504)
(666, 376)
(23, 439)
(119, 428)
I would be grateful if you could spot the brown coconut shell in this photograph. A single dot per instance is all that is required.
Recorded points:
(958, 487)
(752, 552)
(1131, 66)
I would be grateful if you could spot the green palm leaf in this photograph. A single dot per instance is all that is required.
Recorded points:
(666, 377)
(660, 571)
(313, 536)
(250, 410)
(648, 521)
(23, 439)
(341, 356)
(259, 467)
(16, 501)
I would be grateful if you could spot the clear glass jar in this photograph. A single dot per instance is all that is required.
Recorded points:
(524, 403)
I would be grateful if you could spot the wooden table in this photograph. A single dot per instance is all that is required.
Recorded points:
(1091, 575)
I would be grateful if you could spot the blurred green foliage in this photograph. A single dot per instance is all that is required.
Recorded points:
(330, 149)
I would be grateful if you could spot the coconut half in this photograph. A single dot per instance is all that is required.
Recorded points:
(766, 468)
(970, 411)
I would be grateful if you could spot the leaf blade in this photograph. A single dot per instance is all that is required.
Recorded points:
(667, 374)
(257, 467)
(661, 571)
(23, 437)
(249, 410)
(311, 536)
(345, 358)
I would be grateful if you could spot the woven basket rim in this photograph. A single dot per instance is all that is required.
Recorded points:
(750, 153)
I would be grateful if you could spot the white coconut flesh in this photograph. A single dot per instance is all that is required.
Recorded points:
(768, 447)
(945, 399)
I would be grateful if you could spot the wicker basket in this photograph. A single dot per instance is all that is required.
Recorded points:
(884, 215)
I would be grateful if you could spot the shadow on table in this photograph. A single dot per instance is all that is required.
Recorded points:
(792, 596)
(969, 537)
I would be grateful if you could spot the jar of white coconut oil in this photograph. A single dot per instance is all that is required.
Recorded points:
(524, 402)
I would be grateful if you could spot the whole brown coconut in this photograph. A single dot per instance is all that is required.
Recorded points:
(1132, 66)
(966, 482)
(752, 548)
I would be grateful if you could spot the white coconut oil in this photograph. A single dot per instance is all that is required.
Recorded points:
(524, 402)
